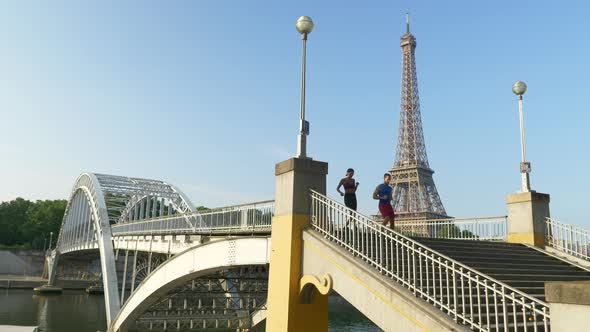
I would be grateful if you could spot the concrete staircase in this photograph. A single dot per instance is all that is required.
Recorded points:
(480, 285)
(517, 265)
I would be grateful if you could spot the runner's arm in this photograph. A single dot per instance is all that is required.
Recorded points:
(338, 188)
(376, 193)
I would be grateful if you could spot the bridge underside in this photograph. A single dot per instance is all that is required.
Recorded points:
(222, 300)
(233, 298)
(216, 285)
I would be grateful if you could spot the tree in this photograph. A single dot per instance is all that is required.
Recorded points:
(12, 217)
(42, 218)
(27, 224)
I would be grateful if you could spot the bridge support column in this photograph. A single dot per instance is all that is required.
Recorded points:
(569, 303)
(526, 218)
(51, 264)
(294, 178)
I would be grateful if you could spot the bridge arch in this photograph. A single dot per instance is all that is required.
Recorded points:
(86, 224)
(96, 202)
(192, 263)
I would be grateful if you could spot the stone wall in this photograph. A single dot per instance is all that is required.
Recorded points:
(22, 262)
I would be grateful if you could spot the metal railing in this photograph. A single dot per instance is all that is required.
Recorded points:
(480, 228)
(236, 219)
(570, 239)
(471, 298)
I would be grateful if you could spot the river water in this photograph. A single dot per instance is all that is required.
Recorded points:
(76, 311)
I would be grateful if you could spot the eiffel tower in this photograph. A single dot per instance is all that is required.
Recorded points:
(414, 193)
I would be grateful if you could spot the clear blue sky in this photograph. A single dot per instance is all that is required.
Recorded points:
(205, 95)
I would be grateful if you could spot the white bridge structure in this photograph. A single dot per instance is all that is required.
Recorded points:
(166, 266)
(209, 269)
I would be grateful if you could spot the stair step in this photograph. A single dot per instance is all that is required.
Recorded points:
(477, 247)
(504, 254)
(549, 265)
(537, 277)
(537, 270)
(467, 242)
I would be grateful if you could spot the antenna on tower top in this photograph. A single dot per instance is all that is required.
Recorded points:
(407, 22)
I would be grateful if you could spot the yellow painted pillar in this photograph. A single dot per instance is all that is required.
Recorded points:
(285, 311)
(526, 218)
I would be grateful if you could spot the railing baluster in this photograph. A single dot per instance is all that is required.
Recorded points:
(455, 309)
(478, 294)
(397, 264)
(402, 247)
(448, 287)
(440, 283)
(524, 320)
(434, 287)
(462, 293)
(487, 304)
(470, 298)
(514, 317)
(426, 261)
(420, 272)
(414, 267)
(545, 319)
(494, 290)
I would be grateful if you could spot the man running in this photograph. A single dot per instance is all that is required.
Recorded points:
(383, 193)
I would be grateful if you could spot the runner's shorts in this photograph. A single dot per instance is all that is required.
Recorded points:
(386, 210)
(350, 201)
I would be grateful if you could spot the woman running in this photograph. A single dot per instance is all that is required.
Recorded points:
(350, 186)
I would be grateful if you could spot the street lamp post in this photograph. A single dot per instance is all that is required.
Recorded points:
(304, 26)
(50, 237)
(519, 88)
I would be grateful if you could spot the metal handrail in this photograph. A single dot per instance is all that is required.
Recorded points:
(570, 239)
(478, 228)
(453, 287)
(230, 207)
(236, 219)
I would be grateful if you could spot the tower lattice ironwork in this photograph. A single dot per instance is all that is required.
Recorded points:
(414, 193)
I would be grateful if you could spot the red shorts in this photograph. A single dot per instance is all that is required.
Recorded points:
(386, 210)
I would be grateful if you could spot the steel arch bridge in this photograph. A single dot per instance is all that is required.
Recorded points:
(152, 221)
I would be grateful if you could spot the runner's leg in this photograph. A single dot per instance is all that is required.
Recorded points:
(386, 220)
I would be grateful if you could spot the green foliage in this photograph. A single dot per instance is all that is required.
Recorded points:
(202, 208)
(27, 224)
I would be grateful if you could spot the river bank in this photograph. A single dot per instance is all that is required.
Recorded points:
(25, 282)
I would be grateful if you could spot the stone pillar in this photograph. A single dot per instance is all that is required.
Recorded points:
(51, 264)
(526, 218)
(294, 178)
(569, 305)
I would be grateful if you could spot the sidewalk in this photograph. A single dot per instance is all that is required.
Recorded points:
(12, 328)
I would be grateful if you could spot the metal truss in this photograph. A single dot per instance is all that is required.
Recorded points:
(103, 208)
(124, 199)
(251, 218)
(96, 202)
(414, 192)
(130, 198)
(223, 300)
